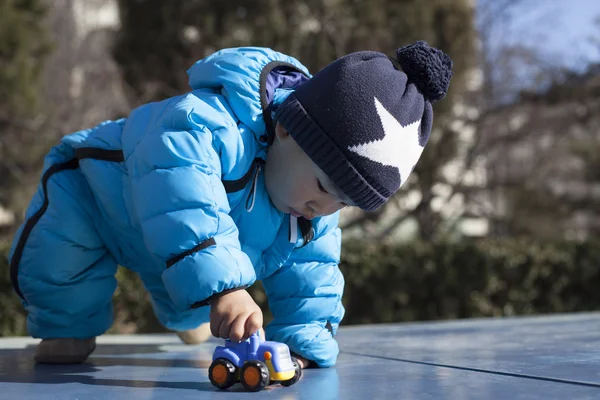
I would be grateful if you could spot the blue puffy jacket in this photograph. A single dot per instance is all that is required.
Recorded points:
(180, 195)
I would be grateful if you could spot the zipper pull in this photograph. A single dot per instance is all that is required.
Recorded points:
(253, 189)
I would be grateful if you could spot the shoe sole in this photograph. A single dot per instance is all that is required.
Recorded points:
(62, 359)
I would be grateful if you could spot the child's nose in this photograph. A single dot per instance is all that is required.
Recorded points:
(325, 206)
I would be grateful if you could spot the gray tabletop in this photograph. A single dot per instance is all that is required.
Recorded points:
(551, 357)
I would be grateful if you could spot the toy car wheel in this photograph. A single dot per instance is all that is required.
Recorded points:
(297, 375)
(254, 375)
(222, 373)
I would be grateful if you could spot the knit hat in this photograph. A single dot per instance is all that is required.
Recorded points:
(365, 121)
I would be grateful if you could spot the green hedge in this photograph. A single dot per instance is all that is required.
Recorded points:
(424, 281)
(417, 281)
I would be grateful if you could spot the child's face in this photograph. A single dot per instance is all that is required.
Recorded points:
(294, 182)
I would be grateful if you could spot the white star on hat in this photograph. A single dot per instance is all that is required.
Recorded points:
(399, 147)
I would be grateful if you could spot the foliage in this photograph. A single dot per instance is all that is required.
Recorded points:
(491, 278)
(24, 46)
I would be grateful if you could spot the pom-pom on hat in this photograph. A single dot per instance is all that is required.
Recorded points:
(365, 118)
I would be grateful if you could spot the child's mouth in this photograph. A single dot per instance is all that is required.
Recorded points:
(295, 213)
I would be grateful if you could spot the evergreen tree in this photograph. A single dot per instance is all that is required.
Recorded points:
(24, 46)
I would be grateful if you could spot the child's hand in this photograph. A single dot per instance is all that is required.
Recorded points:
(302, 361)
(235, 316)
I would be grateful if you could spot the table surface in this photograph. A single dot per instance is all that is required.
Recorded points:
(543, 357)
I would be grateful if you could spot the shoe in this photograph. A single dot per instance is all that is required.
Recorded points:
(64, 350)
(195, 336)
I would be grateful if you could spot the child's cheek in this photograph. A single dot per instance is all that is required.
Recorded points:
(298, 195)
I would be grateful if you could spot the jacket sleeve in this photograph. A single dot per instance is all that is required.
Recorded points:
(183, 211)
(305, 296)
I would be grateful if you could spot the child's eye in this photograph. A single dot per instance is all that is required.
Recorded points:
(321, 188)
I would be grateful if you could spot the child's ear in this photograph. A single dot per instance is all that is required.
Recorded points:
(280, 132)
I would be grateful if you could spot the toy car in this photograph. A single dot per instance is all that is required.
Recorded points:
(255, 363)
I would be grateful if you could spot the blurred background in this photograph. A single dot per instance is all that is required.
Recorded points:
(501, 216)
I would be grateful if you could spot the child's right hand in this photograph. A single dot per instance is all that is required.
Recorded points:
(235, 316)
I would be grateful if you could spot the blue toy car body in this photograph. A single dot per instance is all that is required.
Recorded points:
(254, 362)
